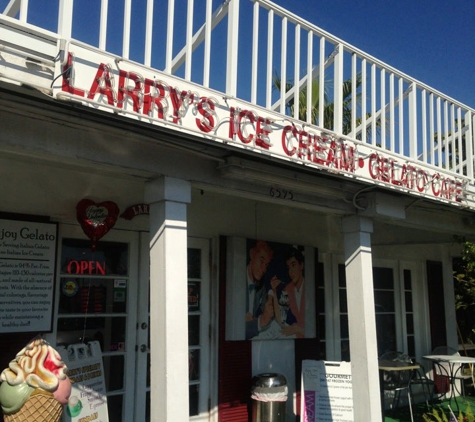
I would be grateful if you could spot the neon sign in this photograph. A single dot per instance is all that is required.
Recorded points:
(86, 267)
(144, 96)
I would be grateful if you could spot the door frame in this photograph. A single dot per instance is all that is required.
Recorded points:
(143, 313)
(132, 239)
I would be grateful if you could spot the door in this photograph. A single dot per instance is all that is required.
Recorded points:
(399, 324)
(97, 300)
(198, 331)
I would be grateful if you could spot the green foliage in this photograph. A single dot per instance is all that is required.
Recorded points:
(464, 289)
(328, 107)
(438, 414)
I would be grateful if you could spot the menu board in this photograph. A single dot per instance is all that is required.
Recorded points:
(88, 400)
(327, 393)
(27, 267)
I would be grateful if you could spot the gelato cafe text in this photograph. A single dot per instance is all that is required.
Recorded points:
(129, 92)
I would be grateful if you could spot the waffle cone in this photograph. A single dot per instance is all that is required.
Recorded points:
(39, 407)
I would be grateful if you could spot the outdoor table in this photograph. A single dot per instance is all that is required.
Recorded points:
(394, 365)
(455, 364)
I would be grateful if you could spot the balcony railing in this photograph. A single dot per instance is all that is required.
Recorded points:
(258, 52)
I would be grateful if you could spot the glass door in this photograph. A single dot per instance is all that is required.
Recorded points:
(97, 300)
(198, 326)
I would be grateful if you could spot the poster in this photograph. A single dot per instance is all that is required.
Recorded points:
(327, 391)
(270, 290)
(27, 268)
(88, 401)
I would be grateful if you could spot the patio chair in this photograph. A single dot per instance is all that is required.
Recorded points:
(422, 384)
(399, 380)
(442, 371)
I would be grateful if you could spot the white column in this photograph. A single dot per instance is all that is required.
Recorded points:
(361, 318)
(168, 199)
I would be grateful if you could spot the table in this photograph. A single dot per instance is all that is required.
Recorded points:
(394, 365)
(455, 364)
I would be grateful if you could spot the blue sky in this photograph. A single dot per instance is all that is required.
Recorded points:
(432, 41)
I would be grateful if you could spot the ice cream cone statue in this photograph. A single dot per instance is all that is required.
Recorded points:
(35, 385)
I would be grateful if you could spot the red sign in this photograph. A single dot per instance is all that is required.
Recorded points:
(148, 95)
(86, 267)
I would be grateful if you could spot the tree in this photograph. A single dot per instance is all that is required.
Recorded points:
(328, 108)
(464, 289)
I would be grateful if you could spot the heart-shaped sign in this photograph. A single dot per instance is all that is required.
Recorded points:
(96, 219)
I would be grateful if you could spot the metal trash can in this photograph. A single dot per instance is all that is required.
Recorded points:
(269, 397)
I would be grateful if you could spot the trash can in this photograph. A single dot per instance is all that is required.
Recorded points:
(269, 397)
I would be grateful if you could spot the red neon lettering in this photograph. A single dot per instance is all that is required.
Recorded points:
(449, 189)
(102, 84)
(86, 267)
(180, 101)
(70, 267)
(287, 141)
(349, 161)
(458, 191)
(249, 118)
(232, 122)
(320, 147)
(125, 91)
(435, 183)
(68, 76)
(154, 93)
(373, 166)
(304, 144)
(206, 108)
(408, 180)
(333, 157)
(393, 171)
(262, 131)
(421, 180)
(101, 268)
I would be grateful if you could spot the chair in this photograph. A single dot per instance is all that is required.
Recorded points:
(420, 383)
(443, 371)
(398, 380)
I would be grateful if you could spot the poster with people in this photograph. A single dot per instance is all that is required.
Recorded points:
(271, 290)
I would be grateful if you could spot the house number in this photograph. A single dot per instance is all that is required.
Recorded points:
(281, 194)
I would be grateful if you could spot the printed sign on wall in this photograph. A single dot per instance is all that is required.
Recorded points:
(27, 266)
(270, 290)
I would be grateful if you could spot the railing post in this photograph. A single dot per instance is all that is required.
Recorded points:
(232, 53)
(413, 121)
(338, 90)
(469, 141)
(65, 18)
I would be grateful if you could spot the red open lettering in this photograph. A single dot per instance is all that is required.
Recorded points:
(86, 267)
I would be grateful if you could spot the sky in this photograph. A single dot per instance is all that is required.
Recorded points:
(432, 41)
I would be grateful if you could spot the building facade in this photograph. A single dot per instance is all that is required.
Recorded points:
(150, 191)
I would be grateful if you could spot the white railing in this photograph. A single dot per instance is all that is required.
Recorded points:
(259, 52)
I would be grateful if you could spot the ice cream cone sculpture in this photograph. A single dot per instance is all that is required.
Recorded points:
(35, 386)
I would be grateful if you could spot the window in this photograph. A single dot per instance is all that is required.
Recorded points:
(391, 316)
(93, 306)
